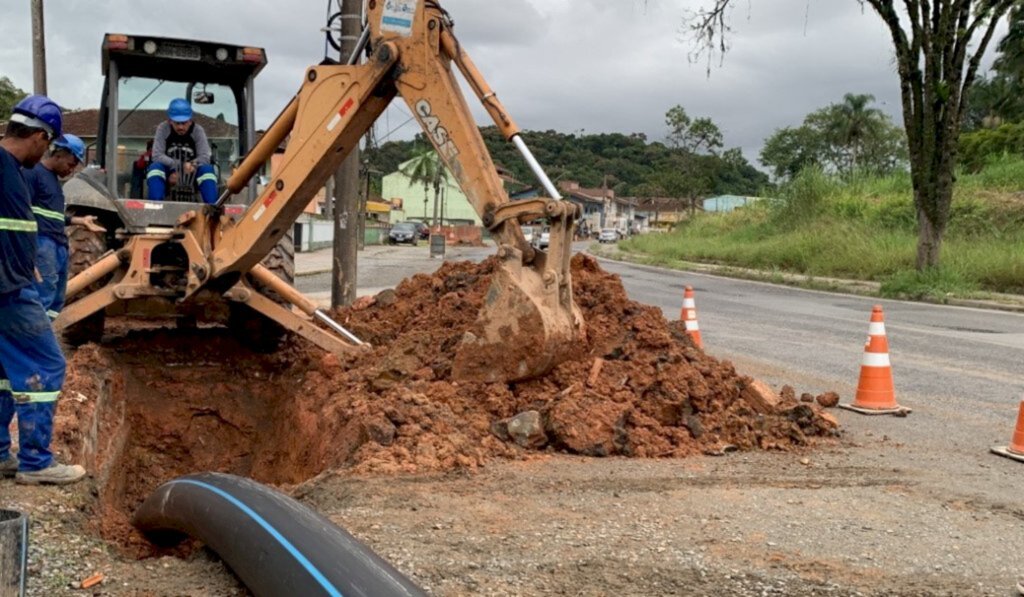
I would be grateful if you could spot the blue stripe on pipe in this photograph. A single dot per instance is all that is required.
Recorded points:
(320, 578)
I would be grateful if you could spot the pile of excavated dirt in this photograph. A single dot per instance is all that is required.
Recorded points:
(153, 404)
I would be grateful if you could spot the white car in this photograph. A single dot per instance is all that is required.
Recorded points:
(608, 235)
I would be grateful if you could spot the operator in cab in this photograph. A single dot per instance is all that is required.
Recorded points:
(32, 365)
(181, 156)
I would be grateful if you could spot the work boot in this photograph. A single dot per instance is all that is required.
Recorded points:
(55, 474)
(9, 467)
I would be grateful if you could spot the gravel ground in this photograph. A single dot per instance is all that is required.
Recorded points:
(843, 520)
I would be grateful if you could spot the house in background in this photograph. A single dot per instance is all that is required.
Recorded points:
(727, 203)
(410, 202)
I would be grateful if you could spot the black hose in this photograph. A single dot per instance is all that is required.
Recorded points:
(274, 544)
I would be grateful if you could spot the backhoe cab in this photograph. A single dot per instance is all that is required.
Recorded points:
(529, 320)
(142, 74)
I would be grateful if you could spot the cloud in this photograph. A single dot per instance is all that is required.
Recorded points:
(567, 65)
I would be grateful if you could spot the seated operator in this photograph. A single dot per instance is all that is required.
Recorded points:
(181, 155)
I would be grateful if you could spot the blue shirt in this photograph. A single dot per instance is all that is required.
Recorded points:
(47, 202)
(17, 227)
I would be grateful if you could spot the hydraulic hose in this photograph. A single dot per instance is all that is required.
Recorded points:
(274, 544)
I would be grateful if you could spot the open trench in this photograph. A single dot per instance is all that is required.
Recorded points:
(173, 402)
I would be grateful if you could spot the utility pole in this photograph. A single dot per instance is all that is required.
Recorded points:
(346, 183)
(38, 49)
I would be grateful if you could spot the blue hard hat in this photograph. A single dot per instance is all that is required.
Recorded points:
(73, 144)
(39, 112)
(179, 110)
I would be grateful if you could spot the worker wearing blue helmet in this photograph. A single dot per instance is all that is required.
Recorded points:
(30, 358)
(181, 155)
(44, 182)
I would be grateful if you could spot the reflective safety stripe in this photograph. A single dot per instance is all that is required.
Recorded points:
(156, 172)
(206, 177)
(691, 326)
(689, 303)
(874, 359)
(18, 225)
(36, 396)
(52, 314)
(691, 314)
(46, 213)
(5, 385)
(876, 328)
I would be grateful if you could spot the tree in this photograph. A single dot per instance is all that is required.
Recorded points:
(791, 149)
(938, 45)
(856, 123)
(692, 136)
(999, 98)
(10, 94)
(426, 168)
(839, 138)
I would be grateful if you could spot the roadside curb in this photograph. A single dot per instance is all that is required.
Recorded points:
(1002, 302)
(312, 272)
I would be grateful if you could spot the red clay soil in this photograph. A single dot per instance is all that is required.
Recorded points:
(177, 401)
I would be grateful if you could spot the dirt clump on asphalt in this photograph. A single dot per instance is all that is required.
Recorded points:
(150, 405)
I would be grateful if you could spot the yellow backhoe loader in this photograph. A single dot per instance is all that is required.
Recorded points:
(212, 254)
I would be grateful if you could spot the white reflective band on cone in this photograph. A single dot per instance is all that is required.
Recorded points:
(877, 328)
(691, 326)
(691, 315)
(874, 359)
(689, 303)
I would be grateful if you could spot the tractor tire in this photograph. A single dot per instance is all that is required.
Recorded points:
(84, 249)
(251, 327)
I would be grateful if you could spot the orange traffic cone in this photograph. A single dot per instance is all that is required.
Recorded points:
(1016, 448)
(875, 393)
(689, 316)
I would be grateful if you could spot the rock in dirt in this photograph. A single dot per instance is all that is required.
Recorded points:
(525, 429)
(761, 397)
(828, 399)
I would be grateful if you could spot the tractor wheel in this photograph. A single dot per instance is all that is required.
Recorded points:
(84, 249)
(251, 327)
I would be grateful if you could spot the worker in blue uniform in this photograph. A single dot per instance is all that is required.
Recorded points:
(32, 362)
(44, 184)
(181, 155)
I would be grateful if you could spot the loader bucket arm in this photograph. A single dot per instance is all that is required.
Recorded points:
(529, 318)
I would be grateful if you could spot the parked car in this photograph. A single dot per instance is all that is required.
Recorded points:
(404, 232)
(527, 233)
(608, 235)
(423, 230)
(542, 240)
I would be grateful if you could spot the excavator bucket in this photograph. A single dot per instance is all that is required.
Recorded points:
(527, 325)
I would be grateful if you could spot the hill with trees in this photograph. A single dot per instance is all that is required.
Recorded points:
(629, 164)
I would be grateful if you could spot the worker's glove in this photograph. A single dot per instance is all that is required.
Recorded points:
(89, 222)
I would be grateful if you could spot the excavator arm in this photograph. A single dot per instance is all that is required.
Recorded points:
(529, 318)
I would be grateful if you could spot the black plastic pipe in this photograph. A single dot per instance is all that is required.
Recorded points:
(274, 544)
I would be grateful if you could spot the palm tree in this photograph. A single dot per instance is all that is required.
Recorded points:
(425, 167)
(856, 123)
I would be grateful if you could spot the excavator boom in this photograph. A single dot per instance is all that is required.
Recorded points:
(529, 313)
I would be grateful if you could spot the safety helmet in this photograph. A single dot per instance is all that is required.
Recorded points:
(39, 112)
(73, 144)
(179, 110)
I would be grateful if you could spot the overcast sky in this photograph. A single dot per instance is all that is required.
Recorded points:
(567, 65)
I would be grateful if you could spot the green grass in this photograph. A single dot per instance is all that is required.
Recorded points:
(865, 229)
